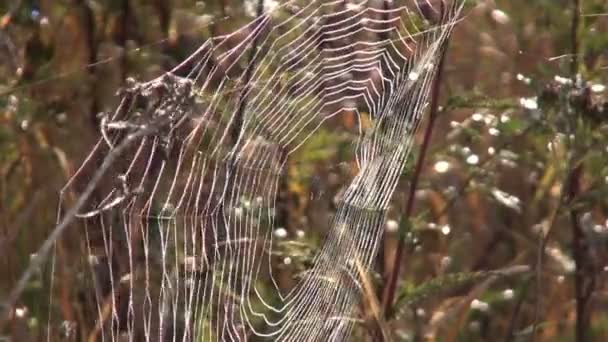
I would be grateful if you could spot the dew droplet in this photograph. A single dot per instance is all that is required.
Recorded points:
(353, 7)
(392, 226)
(507, 199)
(68, 329)
(586, 221)
(500, 17)
(530, 103)
(479, 305)
(562, 259)
(35, 14)
(493, 131)
(20, 312)
(280, 233)
(489, 119)
(62, 118)
(93, 260)
(562, 80)
(598, 88)
(446, 261)
(600, 229)
(523, 79)
(473, 159)
(445, 229)
(477, 117)
(270, 5)
(475, 326)
(442, 166)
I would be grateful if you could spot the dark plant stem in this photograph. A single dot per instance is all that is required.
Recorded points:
(582, 289)
(89, 23)
(570, 190)
(510, 335)
(388, 296)
(576, 17)
(584, 278)
(238, 119)
(123, 36)
(542, 246)
(381, 267)
(164, 16)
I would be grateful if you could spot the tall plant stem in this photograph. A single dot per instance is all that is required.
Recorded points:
(570, 189)
(576, 18)
(389, 291)
(584, 277)
(238, 120)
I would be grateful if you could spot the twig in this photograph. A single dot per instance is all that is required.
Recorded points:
(106, 312)
(462, 306)
(438, 286)
(542, 246)
(374, 305)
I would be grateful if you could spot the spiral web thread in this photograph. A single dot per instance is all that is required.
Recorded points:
(185, 213)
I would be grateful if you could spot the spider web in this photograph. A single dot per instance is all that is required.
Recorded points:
(179, 228)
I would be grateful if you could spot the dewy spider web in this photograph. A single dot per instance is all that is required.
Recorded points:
(185, 213)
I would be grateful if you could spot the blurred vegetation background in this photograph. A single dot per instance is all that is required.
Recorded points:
(516, 172)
